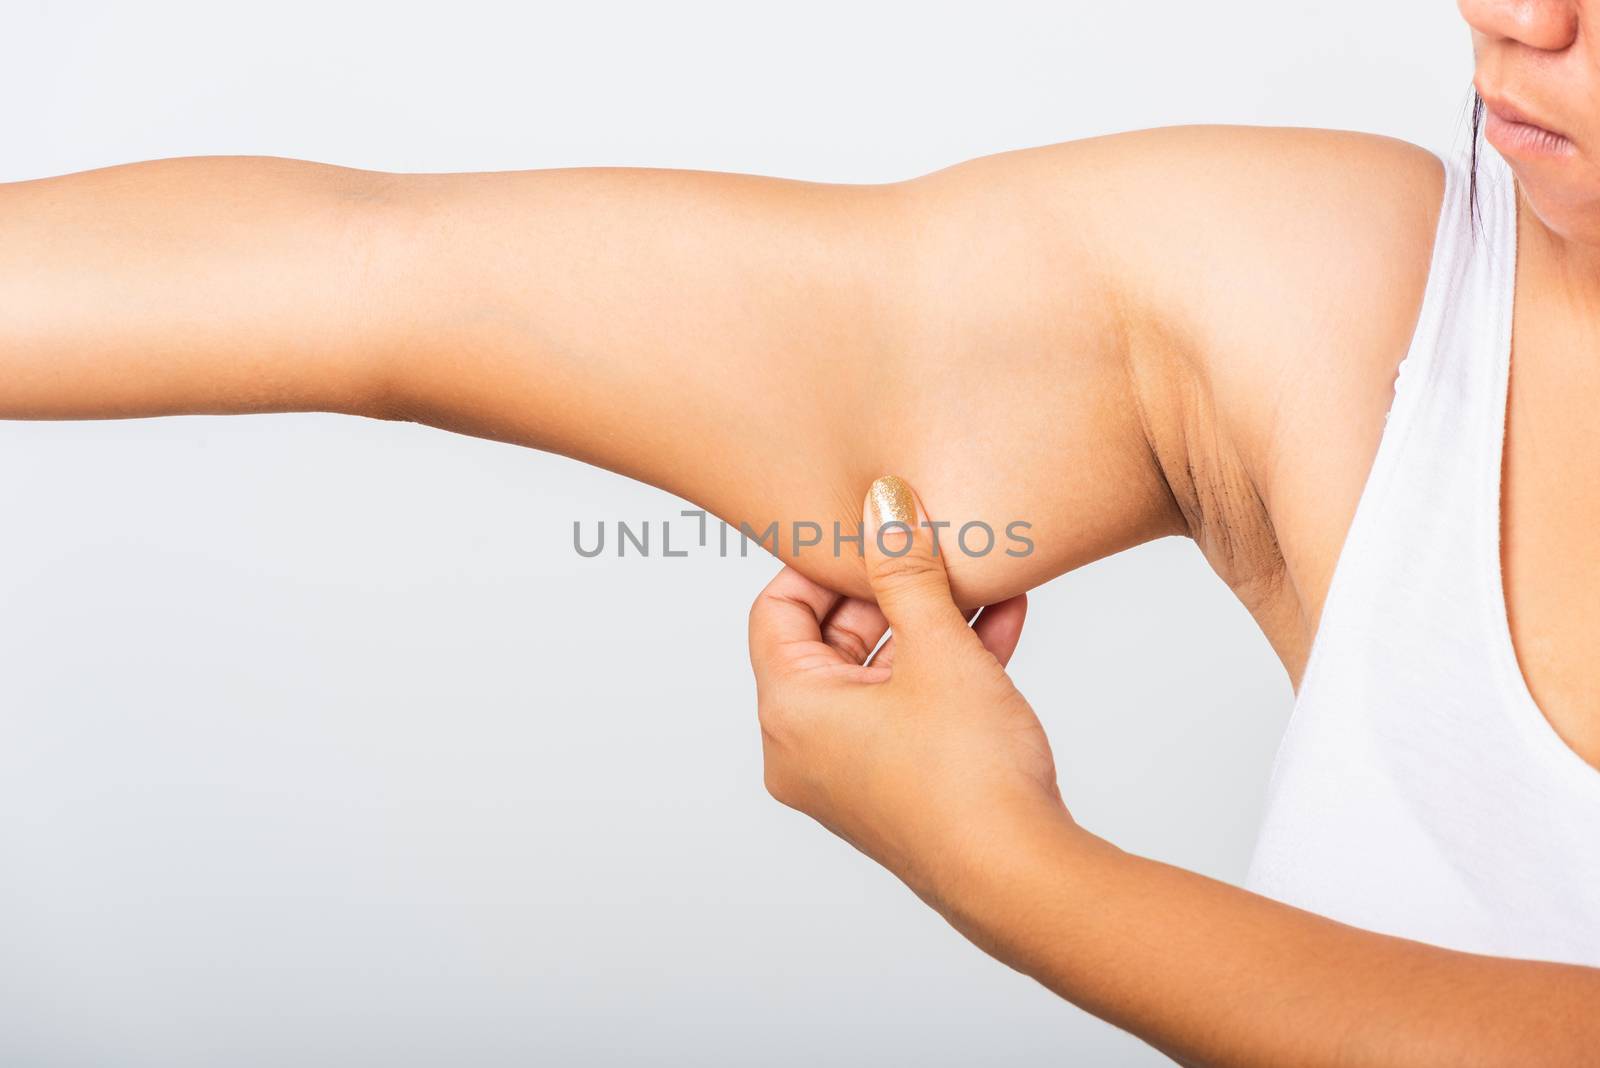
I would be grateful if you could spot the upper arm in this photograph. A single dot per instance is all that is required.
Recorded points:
(1106, 340)
(766, 348)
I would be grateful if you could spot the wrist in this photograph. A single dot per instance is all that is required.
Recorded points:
(959, 873)
(1026, 887)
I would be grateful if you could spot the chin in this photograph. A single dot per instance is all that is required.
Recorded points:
(1567, 204)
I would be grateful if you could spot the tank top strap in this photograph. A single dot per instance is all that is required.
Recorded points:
(1434, 453)
(1449, 390)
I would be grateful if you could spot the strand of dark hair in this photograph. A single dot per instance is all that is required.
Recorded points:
(1472, 187)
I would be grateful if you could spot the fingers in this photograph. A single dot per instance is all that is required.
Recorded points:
(884, 657)
(854, 628)
(999, 635)
(790, 609)
(908, 578)
(1000, 626)
(904, 565)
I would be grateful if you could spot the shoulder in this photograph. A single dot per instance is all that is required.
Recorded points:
(1284, 267)
(1260, 284)
(1224, 230)
(1227, 242)
(1281, 289)
(1270, 281)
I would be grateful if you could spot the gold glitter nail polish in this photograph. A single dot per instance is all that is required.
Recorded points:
(890, 501)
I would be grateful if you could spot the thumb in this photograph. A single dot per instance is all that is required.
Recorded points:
(904, 564)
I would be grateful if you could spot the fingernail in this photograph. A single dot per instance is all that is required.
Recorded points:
(890, 501)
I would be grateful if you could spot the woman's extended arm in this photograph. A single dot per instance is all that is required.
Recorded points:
(936, 767)
(1086, 337)
(756, 345)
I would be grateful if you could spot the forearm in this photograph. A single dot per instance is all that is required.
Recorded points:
(207, 285)
(1214, 975)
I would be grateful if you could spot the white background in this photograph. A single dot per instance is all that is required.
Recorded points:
(318, 743)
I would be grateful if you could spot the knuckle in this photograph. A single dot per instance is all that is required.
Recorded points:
(771, 716)
(780, 786)
(912, 569)
(781, 726)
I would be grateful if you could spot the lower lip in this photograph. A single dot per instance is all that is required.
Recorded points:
(1524, 139)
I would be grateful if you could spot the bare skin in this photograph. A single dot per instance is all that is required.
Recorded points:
(1204, 376)
(1209, 974)
(1189, 331)
(1073, 336)
(1540, 62)
(1205, 972)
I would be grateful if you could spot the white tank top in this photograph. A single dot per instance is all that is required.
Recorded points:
(1418, 790)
